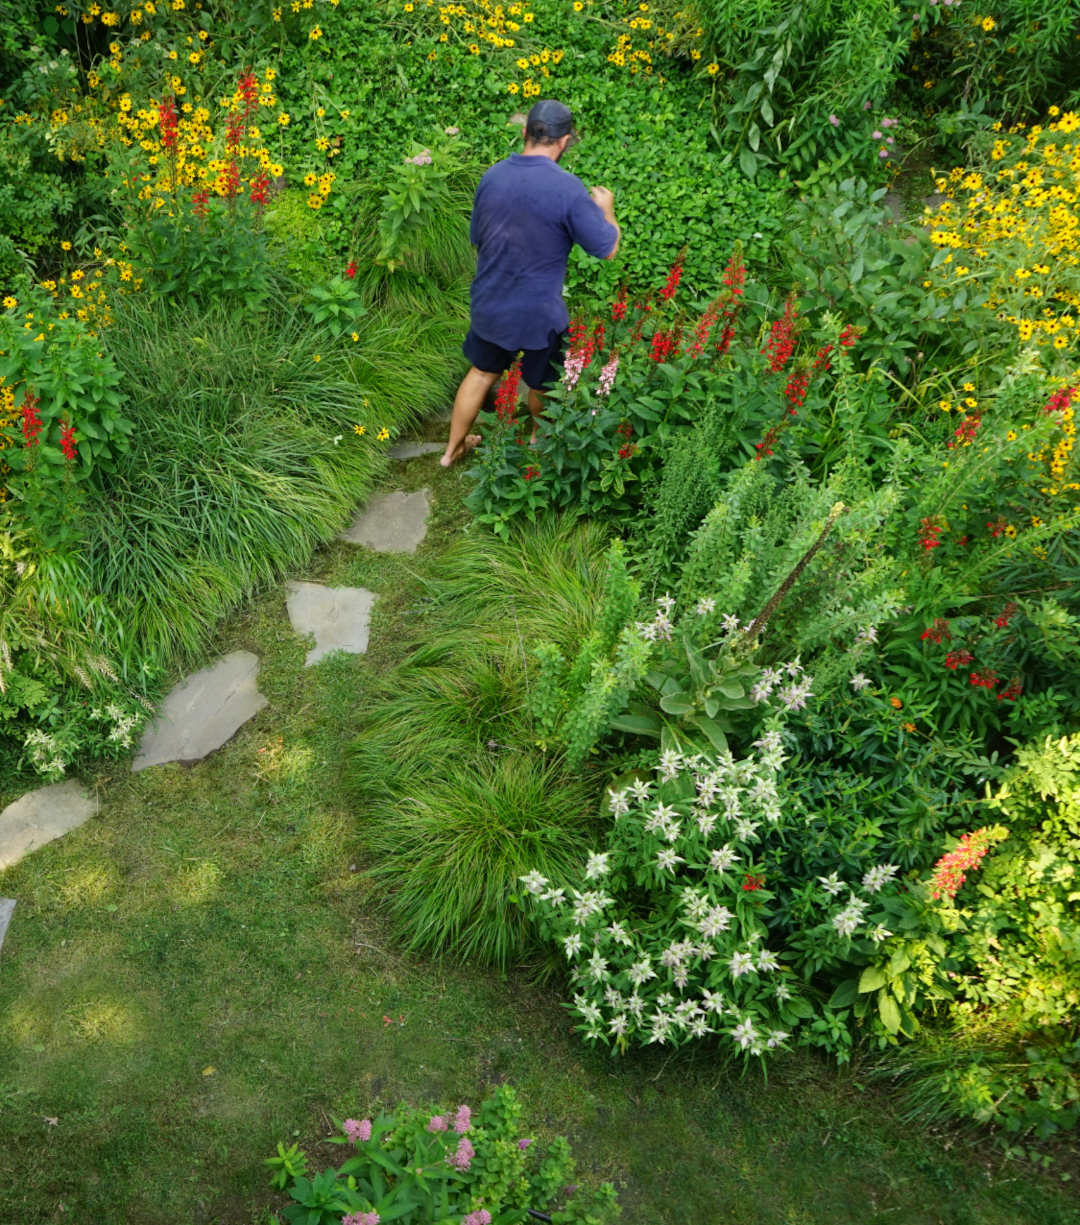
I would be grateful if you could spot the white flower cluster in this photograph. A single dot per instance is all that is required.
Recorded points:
(659, 629)
(622, 975)
(849, 918)
(124, 725)
(45, 753)
(793, 695)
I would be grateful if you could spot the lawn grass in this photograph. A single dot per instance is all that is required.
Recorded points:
(199, 972)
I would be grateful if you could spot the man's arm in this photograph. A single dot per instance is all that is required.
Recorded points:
(606, 200)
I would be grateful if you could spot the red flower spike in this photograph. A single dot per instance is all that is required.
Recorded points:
(67, 442)
(783, 336)
(951, 870)
(506, 398)
(751, 882)
(31, 420)
(958, 659)
(532, 472)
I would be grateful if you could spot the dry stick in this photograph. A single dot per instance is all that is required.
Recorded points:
(762, 619)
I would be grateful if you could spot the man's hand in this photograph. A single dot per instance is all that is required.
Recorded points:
(605, 199)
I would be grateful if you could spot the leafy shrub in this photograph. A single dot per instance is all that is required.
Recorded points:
(61, 397)
(998, 915)
(455, 801)
(416, 1166)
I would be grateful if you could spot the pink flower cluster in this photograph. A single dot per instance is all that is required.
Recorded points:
(480, 1217)
(463, 1154)
(357, 1130)
(361, 1218)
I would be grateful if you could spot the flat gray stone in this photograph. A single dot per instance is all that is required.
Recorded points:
(7, 909)
(203, 711)
(40, 816)
(892, 201)
(391, 523)
(339, 617)
(413, 450)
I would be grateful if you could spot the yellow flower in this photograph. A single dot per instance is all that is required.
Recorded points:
(988, 24)
(408, 8)
(356, 337)
(578, 6)
(474, 49)
(315, 34)
(968, 387)
(713, 69)
(322, 143)
(344, 114)
(512, 87)
(1011, 436)
(316, 358)
(971, 402)
(695, 54)
(320, 112)
(945, 406)
(361, 430)
(383, 435)
(523, 64)
(10, 303)
(195, 56)
(309, 179)
(283, 119)
(277, 169)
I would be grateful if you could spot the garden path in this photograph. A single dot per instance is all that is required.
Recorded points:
(393, 522)
(40, 816)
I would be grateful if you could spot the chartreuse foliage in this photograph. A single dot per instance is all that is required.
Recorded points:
(417, 1165)
(1001, 947)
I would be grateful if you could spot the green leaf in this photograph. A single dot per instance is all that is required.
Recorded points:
(711, 729)
(889, 1011)
(872, 978)
(638, 725)
(845, 995)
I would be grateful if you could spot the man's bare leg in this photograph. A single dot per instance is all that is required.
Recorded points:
(467, 403)
(536, 410)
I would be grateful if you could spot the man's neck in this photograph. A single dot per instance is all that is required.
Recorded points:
(553, 152)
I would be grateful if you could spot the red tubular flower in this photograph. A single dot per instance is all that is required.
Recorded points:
(627, 451)
(532, 472)
(67, 442)
(821, 359)
(734, 276)
(964, 436)
(951, 869)
(352, 269)
(938, 632)
(1005, 616)
(618, 307)
(625, 429)
(985, 678)
(506, 398)
(1014, 689)
(997, 527)
(930, 532)
(31, 420)
(674, 276)
(1060, 400)
(795, 390)
(765, 446)
(751, 882)
(167, 123)
(665, 344)
(958, 659)
(260, 189)
(198, 203)
(849, 336)
(783, 336)
(726, 337)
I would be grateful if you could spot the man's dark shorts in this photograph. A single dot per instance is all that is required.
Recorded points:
(538, 367)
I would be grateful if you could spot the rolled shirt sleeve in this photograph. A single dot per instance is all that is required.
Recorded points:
(589, 228)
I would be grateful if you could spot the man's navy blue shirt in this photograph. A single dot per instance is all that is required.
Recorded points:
(527, 214)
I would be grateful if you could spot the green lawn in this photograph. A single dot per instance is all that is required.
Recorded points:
(196, 973)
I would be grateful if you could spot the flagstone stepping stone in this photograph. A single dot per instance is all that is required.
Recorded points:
(339, 617)
(42, 815)
(392, 522)
(202, 711)
(7, 909)
(412, 450)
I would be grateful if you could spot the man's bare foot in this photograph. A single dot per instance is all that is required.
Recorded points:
(468, 443)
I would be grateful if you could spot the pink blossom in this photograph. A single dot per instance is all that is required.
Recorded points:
(834, 121)
(357, 1130)
(866, 105)
(875, 136)
(462, 1156)
(452, 131)
(524, 1144)
(607, 376)
(480, 1217)
(361, 1218)
(888, 140)
(436, 1123)
(462, 1120)
(883, 153)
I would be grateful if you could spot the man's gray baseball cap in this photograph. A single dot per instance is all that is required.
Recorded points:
(551, 120)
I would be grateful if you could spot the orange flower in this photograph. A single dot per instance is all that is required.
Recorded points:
(909, 727)
(896, 702)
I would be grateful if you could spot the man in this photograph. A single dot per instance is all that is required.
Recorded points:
(527, 214)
